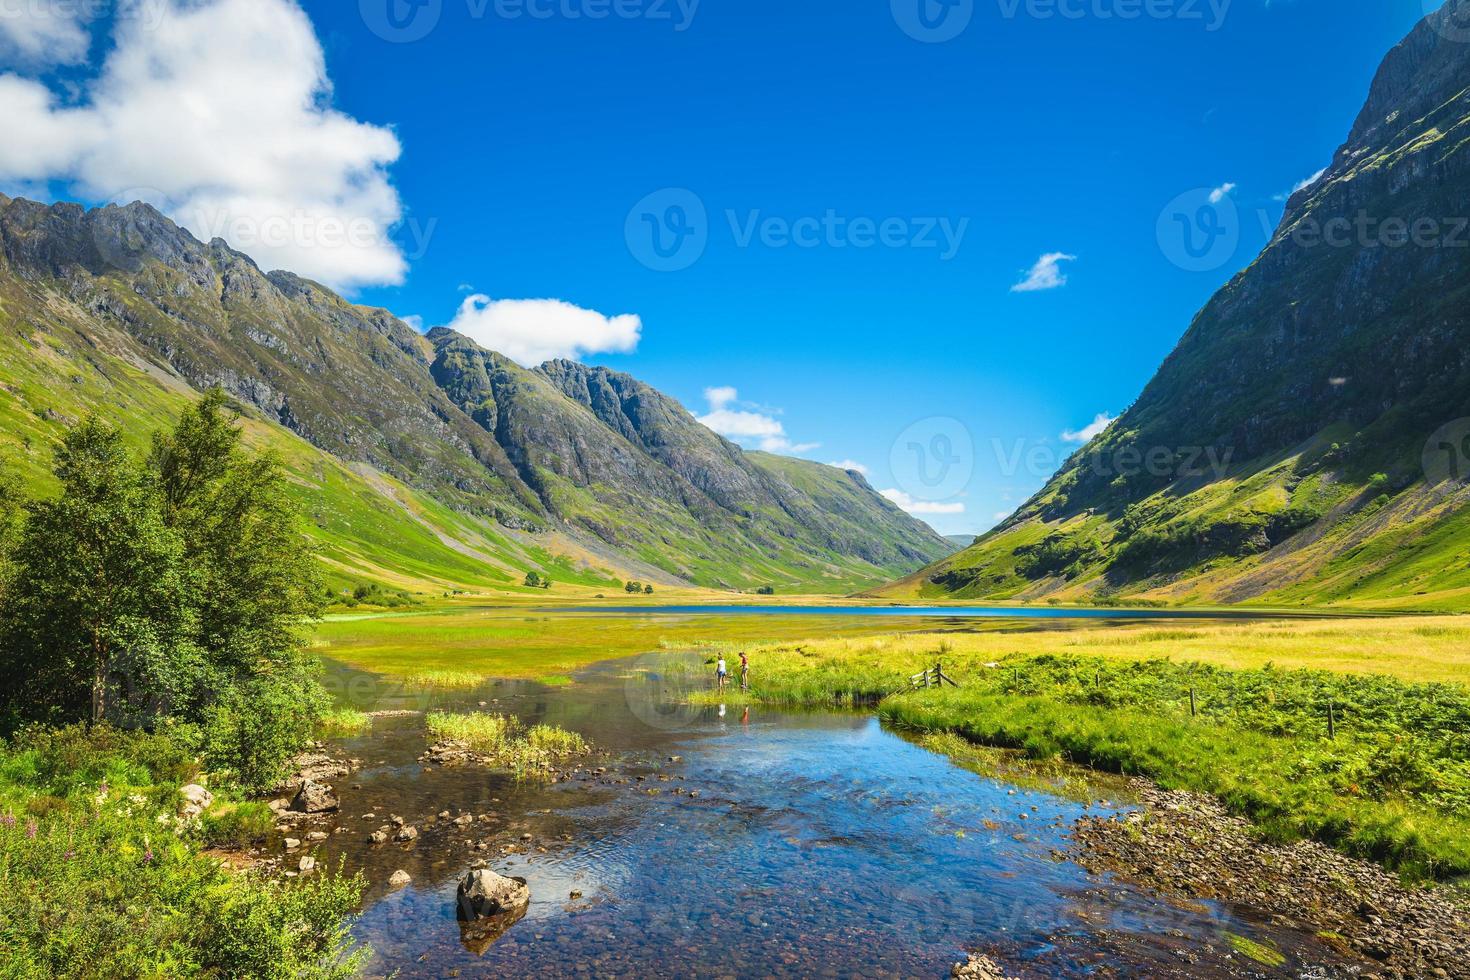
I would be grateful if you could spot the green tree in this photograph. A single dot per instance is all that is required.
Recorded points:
(257, 582)
(633, 587)
(97, 606)
(533, 580)
(648, 590)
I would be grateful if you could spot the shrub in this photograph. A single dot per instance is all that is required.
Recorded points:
(250, 733)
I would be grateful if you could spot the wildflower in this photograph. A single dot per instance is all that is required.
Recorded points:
(8, 820)
(31, 830)
(148, 856)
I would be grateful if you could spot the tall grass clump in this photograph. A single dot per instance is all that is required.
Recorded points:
(502, 740)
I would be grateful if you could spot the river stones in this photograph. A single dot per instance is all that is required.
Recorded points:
(399, 878)
(314, 797)
(488, 905)
(977, 967)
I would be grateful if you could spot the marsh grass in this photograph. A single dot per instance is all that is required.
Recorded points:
(503, 741)
(445, 680)
(341, 722)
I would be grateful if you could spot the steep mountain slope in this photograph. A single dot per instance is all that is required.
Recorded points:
(492, 468)
(1307, 439)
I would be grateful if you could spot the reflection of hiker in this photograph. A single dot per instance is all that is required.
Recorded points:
(744, 671)
(721, 672)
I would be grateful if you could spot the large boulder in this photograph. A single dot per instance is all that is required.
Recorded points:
(483, 893)
(489, 904)
(314, 797)
(196, 800)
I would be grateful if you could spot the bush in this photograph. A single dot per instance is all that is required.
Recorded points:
(236, 825)
(251, 732)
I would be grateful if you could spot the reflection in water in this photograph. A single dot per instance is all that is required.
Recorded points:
(757, 843)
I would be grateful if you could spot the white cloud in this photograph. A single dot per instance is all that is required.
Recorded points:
(1045, 274)
(37, 32)
(218, 113)
(850, 464)
(926, 507)
(1001, 515)
(1306, 182)
(1087, 433)
(746, 426)
(1220, 193)
(532, 331)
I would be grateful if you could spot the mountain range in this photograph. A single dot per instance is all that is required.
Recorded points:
(424, 460)
(1307, 442)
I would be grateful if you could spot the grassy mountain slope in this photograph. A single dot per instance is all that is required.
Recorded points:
(1306, 442)
(424, 460)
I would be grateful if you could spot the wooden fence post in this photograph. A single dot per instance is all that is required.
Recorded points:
(1193, 706)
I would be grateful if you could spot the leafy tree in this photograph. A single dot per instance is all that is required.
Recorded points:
(633, 587)
(533, 580)
(97, 606)
(258, 585)
(765, 590)
(648, 590)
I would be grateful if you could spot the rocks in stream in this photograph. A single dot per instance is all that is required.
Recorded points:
(488, 905)
(1187, 844)
(399, 878)
(978, 967)
(314, 797)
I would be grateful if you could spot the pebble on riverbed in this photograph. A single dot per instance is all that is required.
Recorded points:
(1355, 907)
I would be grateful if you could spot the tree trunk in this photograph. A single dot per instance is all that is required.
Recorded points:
(99, 680)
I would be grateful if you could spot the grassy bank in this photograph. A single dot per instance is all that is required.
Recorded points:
(1391, 783)
(460, 647)
(100, 877)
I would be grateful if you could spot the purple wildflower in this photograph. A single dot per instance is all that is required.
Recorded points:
(31, 830)
(8, 820)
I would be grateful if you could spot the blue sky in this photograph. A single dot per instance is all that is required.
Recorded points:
(516, 157)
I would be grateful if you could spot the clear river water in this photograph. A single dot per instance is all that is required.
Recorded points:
(746, 843)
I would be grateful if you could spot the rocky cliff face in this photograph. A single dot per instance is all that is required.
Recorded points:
(589, 452)
(1319, 373)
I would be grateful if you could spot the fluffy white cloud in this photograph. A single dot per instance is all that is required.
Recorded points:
(850, 464)
(1045, 274)
(37, 32)
(746, 425)
(1087, 433)
(218, 113)
(1001, 515)
(1220, 193)
(532, 331)
(926, 507)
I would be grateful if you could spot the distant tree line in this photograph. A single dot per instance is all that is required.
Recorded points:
(633, 587)
(169, 588)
